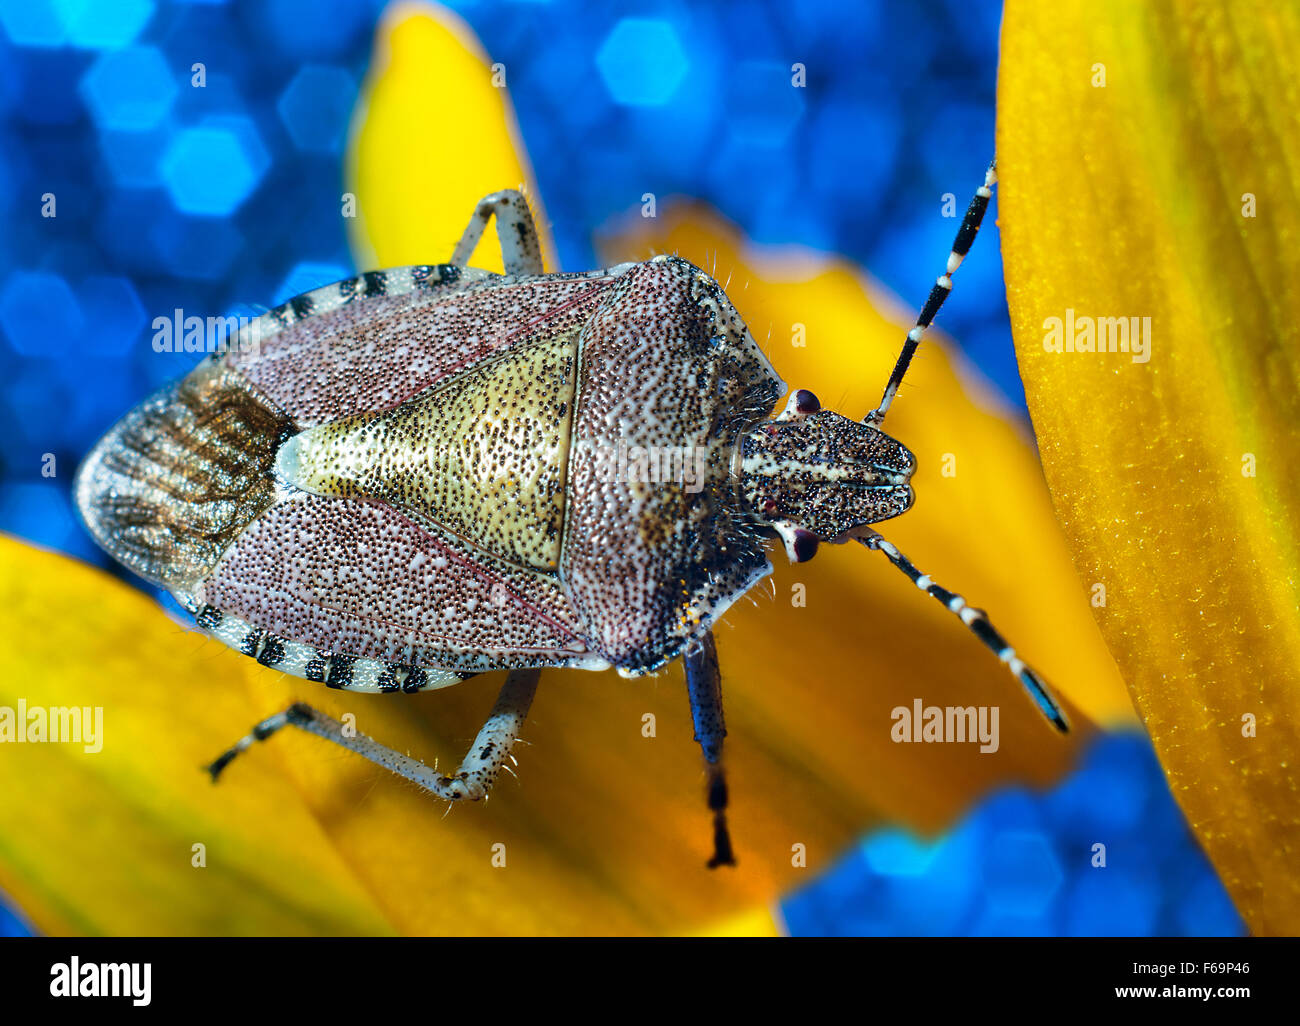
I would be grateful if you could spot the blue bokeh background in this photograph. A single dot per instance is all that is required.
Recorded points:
(224, 199)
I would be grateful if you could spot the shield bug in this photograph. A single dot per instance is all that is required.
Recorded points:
(405, 479)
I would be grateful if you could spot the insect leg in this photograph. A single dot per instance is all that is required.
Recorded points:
(980, 626)
(520, 249)
(477, 772)
(939, 292)
(704, 685)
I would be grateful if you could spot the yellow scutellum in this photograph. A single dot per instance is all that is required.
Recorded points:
(605, 831)
(1150, 168)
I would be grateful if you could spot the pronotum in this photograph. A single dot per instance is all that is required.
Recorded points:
(406, 479)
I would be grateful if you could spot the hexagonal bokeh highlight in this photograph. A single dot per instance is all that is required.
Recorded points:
(33, 23)
(132, 158)
(313, 29)
(641, 62)
(316, 105)
(210, 169)
(40, 314)
(1111, 902)
(99, 25)
(112, 306)
(202, 248)
(1022, 873)
(130, 89)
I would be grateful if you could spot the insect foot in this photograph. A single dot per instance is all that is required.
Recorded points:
(461, 787)
(722, 852)
(476, 774)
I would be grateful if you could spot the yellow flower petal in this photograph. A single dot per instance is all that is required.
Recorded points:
(102, 843)
(431, 116)
(1175, 478)
(757, 922)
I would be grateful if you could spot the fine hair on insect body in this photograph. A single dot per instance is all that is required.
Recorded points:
(423, 474)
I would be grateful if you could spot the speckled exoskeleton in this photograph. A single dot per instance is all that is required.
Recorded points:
(412, 477)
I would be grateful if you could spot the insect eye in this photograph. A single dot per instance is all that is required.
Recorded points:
(805, 402)
(805, 545)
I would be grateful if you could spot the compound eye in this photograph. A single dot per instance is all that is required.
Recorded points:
(805, 402)
(804, 546)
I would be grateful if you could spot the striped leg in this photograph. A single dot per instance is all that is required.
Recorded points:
(520, 249)
(472, 780)
(704, 685)
(979, 624)
(939, 292)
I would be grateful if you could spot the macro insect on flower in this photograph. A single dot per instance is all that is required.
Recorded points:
(408, 478)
